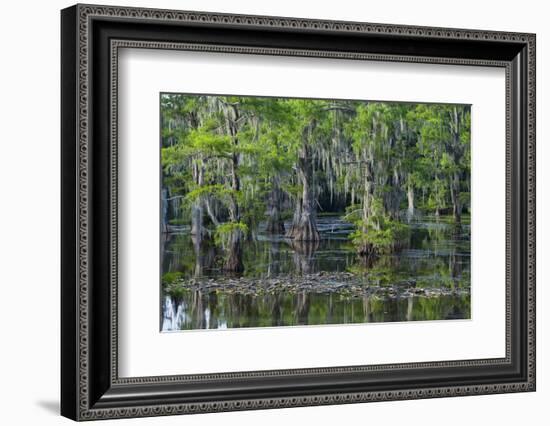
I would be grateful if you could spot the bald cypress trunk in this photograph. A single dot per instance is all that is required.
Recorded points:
(295, 217)
(457, 151)
(366, 250)
(455, 198)
(275, 223)
(197, 228)
(410, 202)
(304, 225)
(234, 260)
(164, 210)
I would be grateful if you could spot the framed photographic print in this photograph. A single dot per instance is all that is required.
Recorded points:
(263, 212)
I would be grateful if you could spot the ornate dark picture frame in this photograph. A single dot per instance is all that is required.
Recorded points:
(90, 385)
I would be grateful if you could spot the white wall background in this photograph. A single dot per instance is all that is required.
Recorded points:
(29, 212)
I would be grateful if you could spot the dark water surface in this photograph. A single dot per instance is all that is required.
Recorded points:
(320, 283)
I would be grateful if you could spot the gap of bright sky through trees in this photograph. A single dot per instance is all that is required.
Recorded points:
(283, 204)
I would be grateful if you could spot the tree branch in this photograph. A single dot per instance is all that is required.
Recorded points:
(210, 212)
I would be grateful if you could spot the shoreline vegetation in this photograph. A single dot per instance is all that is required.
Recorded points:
(251, 176)
(346, 284)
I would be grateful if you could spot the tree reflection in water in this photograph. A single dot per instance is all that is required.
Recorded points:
(428, 281)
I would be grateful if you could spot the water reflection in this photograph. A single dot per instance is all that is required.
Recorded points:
(203, 310)
(428, 281)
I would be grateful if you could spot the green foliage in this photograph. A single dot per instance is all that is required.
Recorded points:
(236, 150)
(171, 277)
(384, 239)
(465, 198)
(225, 231)
(208, 144)
(353, 213)
(219, 191)
(253, 213)
(377, 231)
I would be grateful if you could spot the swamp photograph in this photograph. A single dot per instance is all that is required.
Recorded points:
(292, 212)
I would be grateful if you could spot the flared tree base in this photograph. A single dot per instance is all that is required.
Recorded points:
(305, 230)
(234, 260)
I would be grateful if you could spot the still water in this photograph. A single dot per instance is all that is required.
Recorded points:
(321, 283)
